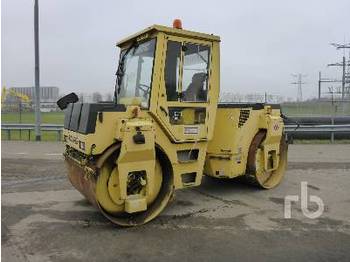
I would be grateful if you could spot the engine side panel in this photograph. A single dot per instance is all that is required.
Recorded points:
(235, 127)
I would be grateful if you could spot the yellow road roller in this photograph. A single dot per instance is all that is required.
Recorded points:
(165, 128)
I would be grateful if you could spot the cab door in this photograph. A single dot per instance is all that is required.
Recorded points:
(184, 106)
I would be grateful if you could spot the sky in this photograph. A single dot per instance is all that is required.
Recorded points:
(262, 42)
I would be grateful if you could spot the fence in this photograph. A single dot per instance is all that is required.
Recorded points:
(29, 128)
(293, 131)
(332, 132)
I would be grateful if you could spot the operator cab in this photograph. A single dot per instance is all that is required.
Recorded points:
(173, 73)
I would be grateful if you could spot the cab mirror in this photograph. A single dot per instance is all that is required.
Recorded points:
(66, 100)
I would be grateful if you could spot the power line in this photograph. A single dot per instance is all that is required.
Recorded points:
(341, 46)
(324, 80)
(345, 90)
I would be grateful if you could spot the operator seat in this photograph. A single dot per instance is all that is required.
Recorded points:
(195, 90)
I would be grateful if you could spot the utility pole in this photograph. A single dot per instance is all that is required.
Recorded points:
(37, 72)
(319, 85)
(333, 91)
(343, 80)
(343, 64)
(324, 80)
(299, 82)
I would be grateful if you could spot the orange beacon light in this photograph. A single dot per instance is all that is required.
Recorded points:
(177, 24)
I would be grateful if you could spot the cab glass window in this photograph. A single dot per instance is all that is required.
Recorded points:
(172, 65)
(134, 73)
(195, 73)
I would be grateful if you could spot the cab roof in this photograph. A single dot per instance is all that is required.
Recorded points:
(171, 31)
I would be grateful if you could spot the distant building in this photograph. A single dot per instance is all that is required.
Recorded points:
(47, 93)
(48, 96)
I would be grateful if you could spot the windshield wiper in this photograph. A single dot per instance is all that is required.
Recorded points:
(120, 71)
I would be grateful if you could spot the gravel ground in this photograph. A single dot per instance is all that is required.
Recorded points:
(45, 219)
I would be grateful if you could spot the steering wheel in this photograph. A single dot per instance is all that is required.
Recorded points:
(144, 88)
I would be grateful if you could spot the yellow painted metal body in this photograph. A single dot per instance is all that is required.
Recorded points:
(205, 139)
(227, 153)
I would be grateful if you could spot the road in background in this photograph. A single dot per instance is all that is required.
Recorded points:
(31, 150)
(45, 219)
